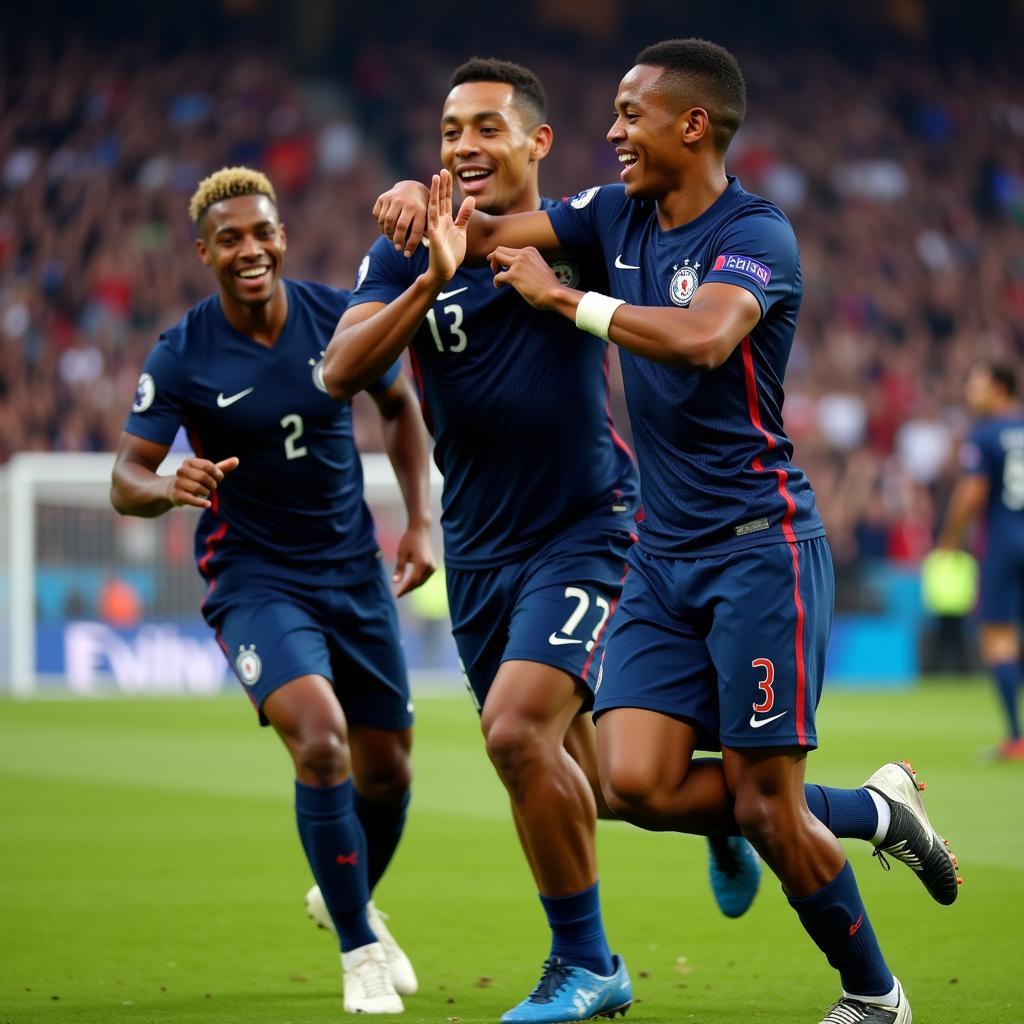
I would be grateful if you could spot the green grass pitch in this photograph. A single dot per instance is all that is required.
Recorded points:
(151, 873)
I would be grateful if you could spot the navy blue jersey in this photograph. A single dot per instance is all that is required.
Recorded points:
(517, 402)
(296, 499)
(995, 450)
(714, 460)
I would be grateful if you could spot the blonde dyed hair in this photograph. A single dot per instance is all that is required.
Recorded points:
(227, 183)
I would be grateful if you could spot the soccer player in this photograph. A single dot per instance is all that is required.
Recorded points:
(992, 489)
(297, 595)
(720, 634)
(538, 504)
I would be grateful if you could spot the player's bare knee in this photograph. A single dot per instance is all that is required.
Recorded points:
(386, 784)
(515, 747)
(323, 758)
(628, 794)
(757, 818)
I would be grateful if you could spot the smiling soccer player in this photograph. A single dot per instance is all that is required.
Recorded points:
(719, 638)
(297, 594)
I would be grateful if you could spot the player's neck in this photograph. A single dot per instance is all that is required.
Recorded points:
(691, 198)
(1004, 410)
(264, 322)
(528, 201)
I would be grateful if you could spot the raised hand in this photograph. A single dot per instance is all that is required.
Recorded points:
(196, 479)
(447, 235)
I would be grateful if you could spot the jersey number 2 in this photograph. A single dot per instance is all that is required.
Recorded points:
(293, 424)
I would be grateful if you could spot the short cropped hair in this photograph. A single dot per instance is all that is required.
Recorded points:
(704, 74)
(1004, 375)
(527, 92)
(227, 183)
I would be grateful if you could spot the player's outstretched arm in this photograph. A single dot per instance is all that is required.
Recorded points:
(402, 213)
(371, 336)
(700, 337)
(137, 490)
(405, 438)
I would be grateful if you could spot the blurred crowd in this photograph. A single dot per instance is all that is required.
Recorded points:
(904, 180)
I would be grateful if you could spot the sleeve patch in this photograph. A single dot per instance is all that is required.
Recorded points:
(363, 270)
(745, 265)
(145, 392)
(582, 199)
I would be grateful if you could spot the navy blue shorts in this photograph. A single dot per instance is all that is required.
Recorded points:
(273, 630)
(551, 607)
(734, 644)
(1001, 600)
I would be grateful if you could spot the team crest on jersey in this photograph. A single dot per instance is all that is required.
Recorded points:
(318, 372)
(683, 284)
(568, 274)
(582, 199)
(249, 664)
(145, 392)
(364, 269)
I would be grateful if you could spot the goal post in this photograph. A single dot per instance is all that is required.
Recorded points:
(93, 602)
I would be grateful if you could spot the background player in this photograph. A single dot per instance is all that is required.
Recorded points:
(729, 601)
(992, 489)
(538, 503)
(297, 593)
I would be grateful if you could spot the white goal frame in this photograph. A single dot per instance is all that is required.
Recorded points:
(82, 480)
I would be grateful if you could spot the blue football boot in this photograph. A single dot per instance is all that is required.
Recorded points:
(735, 871)
(567, 993)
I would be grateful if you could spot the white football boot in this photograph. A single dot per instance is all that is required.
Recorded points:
(849, 1010)
(911, 839)
(402, 973)
(368, 987)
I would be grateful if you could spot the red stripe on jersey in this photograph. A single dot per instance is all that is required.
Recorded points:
(754, 409)
(801, 672)
(217, 535)
(616, 437)
(220, 641)
(212, 541)
(209, 593)
(604, 625)
(417, 373)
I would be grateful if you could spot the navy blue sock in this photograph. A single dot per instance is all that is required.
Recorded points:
(846, 813)
(577, 932)
(336, 850)
(835, 918)
(1007, 677)
(382, 825)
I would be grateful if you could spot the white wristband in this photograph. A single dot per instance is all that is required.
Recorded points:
(594, 313)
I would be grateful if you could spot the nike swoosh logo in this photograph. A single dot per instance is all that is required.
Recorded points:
(557, 641)
(619, 265)
(231, 399)
(756, 723)
(441, 296)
